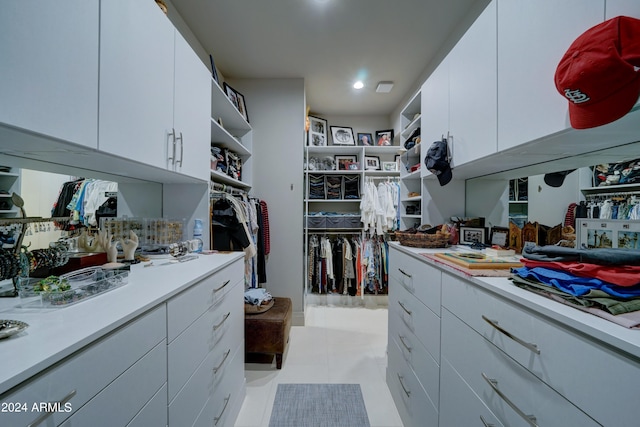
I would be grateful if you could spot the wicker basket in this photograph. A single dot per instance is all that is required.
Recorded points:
(423, 240)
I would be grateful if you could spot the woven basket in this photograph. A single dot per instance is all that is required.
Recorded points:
(423, 240)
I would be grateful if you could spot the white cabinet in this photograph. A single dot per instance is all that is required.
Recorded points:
(622, 7)
(533, 36)
(49, 68)
(139, 116)
(435, 108)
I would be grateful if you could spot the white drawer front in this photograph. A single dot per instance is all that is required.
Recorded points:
(413, 404)
(556, 363)
(185, 308)
(416, 356)
(424, 323)
(118, 404)
(473, 357)
(222, 325)
(460, 406)
(87, 372)
(417, 277)
(154, 412)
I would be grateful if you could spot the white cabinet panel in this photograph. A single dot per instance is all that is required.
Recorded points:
(154, 412)
(533, 35)
(49, 68)
(418, 278)
(472, 90)
(136, 81)
(435, 109)
(622, 7)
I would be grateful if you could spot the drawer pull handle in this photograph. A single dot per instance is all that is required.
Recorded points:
(407, 392)
(533, 347)
(530, 419)
(226, 402)
(404, 308)
(217, 368)
(226, 316)
(405, 273)
(46, 415)
(221, 287)
(485, 423)
(404, 343)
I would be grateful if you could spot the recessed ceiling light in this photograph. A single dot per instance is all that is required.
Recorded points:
(358, 85)
(384, 87)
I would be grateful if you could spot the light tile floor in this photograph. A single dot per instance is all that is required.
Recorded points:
(337, 345)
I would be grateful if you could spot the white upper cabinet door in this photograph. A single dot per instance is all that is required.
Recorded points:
(49, 68)
(192, 111)
(533, 35)
(622, 7)
(472, 90)
(136, 81)
(435, 110)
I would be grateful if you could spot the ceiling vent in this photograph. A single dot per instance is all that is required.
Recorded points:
(384, 87)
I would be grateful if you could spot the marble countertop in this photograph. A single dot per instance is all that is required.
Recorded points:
(55, 333)
(611, 334)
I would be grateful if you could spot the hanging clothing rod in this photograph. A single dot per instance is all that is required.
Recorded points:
(217, 187)
(605, 196)
(383, 178)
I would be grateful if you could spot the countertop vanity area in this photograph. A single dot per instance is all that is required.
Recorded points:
(167, 348)
(469, 350)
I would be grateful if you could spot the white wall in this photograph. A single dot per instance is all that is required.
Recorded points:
(488, 198)
(548, 205)
(276, 110)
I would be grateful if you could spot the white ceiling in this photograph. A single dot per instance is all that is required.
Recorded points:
(331, 43)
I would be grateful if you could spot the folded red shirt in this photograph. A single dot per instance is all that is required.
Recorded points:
(621, 275)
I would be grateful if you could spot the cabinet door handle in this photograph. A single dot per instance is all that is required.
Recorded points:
(223, 285)
(405, 273)
(530, 419)
(226, 316)
(217, 368)
(226, 402)
(181, 149)
(404, 343)
(46, 415)
(407, 392)
(405, 308)
(485, 423)
(172, 157)
(532, 347)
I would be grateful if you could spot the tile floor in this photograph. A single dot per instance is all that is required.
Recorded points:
(337, 345)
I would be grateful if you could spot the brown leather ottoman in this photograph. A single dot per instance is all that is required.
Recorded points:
(268, 332)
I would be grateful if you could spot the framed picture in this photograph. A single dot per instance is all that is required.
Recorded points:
(372, 163)
(607, 233)
(500, 236)
(471, 235)
(354, 166)
(384, 137)
(214, 72)
(231, 94)
(390, 166)
(342, 135)
(237, 99)
(344, 162)
(365, 139)
(317, 132)
(242, 107)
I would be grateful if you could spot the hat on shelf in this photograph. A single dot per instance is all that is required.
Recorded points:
(437, 161)
(556, 179)
(599, 73)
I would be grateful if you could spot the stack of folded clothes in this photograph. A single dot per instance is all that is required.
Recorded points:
(604, 282)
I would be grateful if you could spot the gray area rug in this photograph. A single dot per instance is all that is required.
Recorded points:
(319, 405)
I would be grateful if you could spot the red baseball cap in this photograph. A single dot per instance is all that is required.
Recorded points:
(599, 73)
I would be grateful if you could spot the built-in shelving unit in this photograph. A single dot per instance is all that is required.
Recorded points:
(410, 167)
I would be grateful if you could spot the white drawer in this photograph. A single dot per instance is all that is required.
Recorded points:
(416, 356)
(424, 323)
(223, 407)
(154, 412)
(479, 363)
(118, 403)
(187, 306)
(573, 377)
(460, 406)
(221, 325)
(413, 404)
(84, 374)
(417, 277)
(202, 385)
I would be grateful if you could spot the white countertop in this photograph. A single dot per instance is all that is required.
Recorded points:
(612, 334)
(55, 333)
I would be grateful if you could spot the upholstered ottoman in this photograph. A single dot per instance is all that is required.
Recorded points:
(268, 332)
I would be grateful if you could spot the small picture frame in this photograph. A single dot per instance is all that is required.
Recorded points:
(500, 236)
(390, 166)
(471, 235)
(372, 163)
(317, 135)
(242, 107)
(354, 166)
(231, 94)
(214, 71)
(344, 162)
(365, 139)
(384, 137)
(342, 135)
